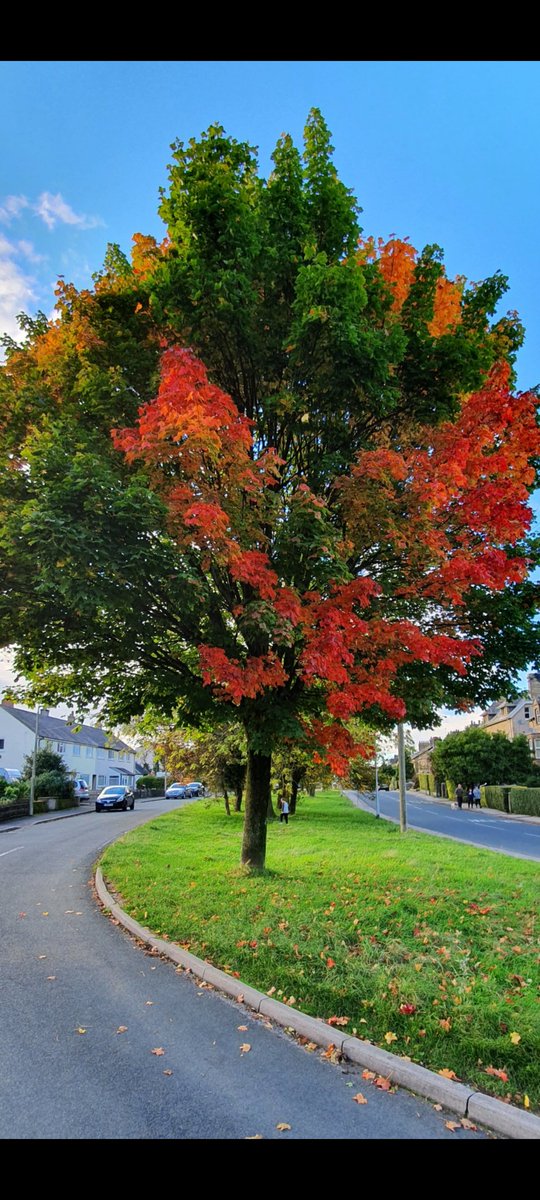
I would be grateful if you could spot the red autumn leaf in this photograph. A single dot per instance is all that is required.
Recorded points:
(498, 1074)
(408, 1009)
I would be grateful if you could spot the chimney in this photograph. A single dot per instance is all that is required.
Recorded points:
(533, 684)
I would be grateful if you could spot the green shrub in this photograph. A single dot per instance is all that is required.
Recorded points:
(152, 782)
(525, 801)
(494, 797)
(18, 790)
(54, 783)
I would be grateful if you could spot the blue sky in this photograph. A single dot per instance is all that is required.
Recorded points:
(444, 152)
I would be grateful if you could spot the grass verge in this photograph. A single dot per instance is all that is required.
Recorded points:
(429, 948)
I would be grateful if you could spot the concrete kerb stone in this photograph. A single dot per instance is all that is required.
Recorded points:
(493, 1114)
(505, 1118)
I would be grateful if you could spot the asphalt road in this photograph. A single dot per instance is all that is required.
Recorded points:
(475, 826)
(82, 1008)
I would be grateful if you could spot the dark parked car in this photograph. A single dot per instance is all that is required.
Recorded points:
(116, 796)
(194, 789)
(384, 787)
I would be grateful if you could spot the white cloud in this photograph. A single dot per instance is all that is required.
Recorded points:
(450, 723)
(12, 208)
(16, 289)
(53, 209)
(27, 249)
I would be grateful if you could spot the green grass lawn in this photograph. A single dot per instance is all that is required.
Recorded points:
(428, 947)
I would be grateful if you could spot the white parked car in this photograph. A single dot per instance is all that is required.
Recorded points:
(80, 789)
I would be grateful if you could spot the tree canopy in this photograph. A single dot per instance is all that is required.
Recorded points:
(268, 471)
(474, 756)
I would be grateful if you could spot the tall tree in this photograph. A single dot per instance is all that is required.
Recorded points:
(303, 517)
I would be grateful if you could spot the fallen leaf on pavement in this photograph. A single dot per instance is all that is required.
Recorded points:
(242, 1028)
(360, 1099)
(22, 914)
(158, 1050)
(438, 1107)
(149, 1002)
(51, 976)
(253, 1137)
(383, 1083)
(368, 1074)
(80, 1029)
(44, 914)
(167, 1071)
(122, 1029)
(245, 1048)
(42, 956)
(282, 1126)
(468, 1124)
(453, 1125)
(311, 1046)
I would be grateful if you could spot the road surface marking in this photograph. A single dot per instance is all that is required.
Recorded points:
(12, 851)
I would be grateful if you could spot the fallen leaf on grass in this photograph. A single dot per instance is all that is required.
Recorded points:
(526, 1101)
(445, 1023)
(245, 1048)
(360, 1099)
(122, 1029)
(515, 1038)
(408, 1009)
(330, 962)
(338, 1020)
(499, 1074)
(282, 1126)
(270, 992)
(447, 1074)
(390, 1037)
(158, 1050)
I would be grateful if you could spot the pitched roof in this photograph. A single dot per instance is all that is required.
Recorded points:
(56, 729)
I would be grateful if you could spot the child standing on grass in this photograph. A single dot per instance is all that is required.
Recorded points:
(284, 814)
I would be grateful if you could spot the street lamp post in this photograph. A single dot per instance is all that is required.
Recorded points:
(34, 757)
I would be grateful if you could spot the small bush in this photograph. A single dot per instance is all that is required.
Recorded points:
(494, 797)
(18, 790)
(525, 801)
(53, 783)
(152, 782)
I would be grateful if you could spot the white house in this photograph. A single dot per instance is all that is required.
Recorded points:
(88, 752)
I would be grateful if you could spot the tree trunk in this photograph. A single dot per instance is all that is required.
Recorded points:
(258, 796)
(226, 799)
(294, 793)
(238, 802)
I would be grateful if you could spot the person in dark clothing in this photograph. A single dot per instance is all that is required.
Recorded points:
(459, 795)
(470, 796)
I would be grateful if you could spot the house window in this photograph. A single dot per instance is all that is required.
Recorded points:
(101, 752)
(537, 747)
(527, 712)
(61, 747)
(114, 779)
(76, 750)
(101, 780)
(111, 753)
(1, 743)
(89, 751)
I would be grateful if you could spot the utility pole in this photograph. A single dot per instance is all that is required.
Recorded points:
(34, 757)
(377, 809)
(402, 779)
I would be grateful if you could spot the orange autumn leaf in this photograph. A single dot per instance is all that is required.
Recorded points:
(359, 1098)
(499, 1074)
(447, 1074)
(158, 1051)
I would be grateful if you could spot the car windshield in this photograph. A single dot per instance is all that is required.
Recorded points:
(114, 791)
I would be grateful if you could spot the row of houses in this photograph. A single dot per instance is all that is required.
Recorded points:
(88, 751)
(509, 717)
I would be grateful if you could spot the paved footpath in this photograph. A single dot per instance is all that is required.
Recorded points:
(82, 1008)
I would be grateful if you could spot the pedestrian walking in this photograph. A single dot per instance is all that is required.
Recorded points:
(476, 795)
(459, 795)
(284, 814)
(470, 796)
